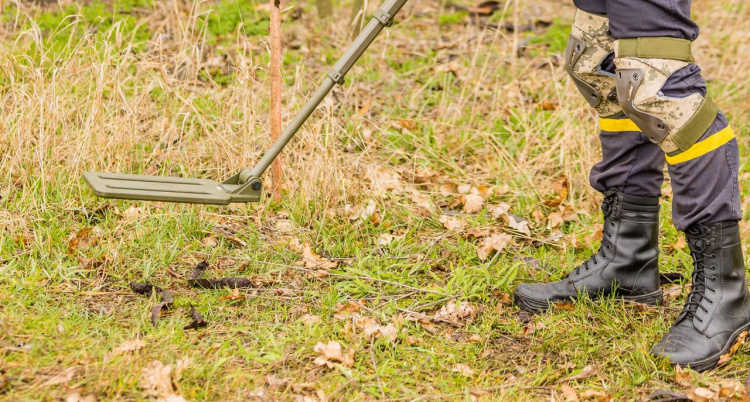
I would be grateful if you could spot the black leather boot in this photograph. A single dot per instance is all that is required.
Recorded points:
(718, 307)
(626, 266)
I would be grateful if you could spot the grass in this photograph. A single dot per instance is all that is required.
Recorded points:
(179, 88)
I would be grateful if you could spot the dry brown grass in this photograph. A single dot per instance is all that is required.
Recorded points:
(104, 106)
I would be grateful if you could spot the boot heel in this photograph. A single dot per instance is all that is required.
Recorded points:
(652, 299)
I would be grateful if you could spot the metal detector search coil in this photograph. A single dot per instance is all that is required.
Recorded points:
(246, 185)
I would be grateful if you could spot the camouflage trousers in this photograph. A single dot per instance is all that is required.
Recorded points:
(704, 182)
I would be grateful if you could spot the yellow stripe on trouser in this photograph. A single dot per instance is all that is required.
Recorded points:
(617, 125)
(701, 148)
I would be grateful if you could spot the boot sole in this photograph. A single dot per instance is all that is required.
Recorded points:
(711, 362)
(538, 306)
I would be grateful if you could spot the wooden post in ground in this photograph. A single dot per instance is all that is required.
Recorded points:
(275, 109)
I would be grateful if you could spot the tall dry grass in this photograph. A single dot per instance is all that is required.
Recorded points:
(94, 108)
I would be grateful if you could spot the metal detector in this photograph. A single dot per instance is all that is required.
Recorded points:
(246, 185)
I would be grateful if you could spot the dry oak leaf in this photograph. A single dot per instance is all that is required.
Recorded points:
(554, 220)
(701, 394)
(731, 388)
(499, 211)
(682, 377)
(594, 395)
(84, 239)
(455, 312)
(371, 327)
(129, 346)
(472, 203)
(586, 372)
(494, 243)
(519, 224)
(382, 181)
(463, 369)
(311, 260)
(131, 214)
(741, 339)
(453, 223)
(330, 354)
(569, 393)
(156, 381)
(477, 233)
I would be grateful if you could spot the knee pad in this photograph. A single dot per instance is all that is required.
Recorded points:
(643, 67)
(589, 47)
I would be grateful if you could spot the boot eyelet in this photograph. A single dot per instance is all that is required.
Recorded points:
(713, 255)
(713, 278)
(713, 268)
(699, 320)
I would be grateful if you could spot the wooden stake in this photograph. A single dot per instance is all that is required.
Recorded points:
(275, 36)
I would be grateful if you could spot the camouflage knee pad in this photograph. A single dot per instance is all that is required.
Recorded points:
(643, 67)
(589, 46)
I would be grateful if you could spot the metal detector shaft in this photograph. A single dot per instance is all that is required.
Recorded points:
(246, 185)
(383, 18)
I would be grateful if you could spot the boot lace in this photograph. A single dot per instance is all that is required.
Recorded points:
(701, 289)
(609, 207)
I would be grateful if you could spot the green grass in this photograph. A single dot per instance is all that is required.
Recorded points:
(97, 107)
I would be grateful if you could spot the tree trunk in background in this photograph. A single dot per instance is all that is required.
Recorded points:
(325, 9)
(358, 15)
(275, 36)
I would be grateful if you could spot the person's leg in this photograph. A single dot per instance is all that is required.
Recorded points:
(663, 93)
(630, 175)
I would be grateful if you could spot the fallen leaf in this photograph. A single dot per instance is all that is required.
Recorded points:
(491, 244)
(569, 393)
(385, 239)
(331, 353)
(370, 327)
(472, 203)
(554, 220)
(210, 241)
(463, 369)
(234, 295)
(422, 201)
(725, 358)
(532, 326)
(477, 233)
(731, 388)
(592, 394)
(310, 260)
(198, 321)
(361, 212)
(84, 239)
(455, 312)
(519, 224)
(499, 211)
(309, 319)
(586, 372)
(682, 377)
(63, 377)
(680, 243)
(701, 394)
(156, 381)
(453, 223)
(132, 213)
(165, 297)
(383, 181)
(129, 346)
(77, 397)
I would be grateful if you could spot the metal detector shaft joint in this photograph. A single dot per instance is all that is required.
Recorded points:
(246, 185)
